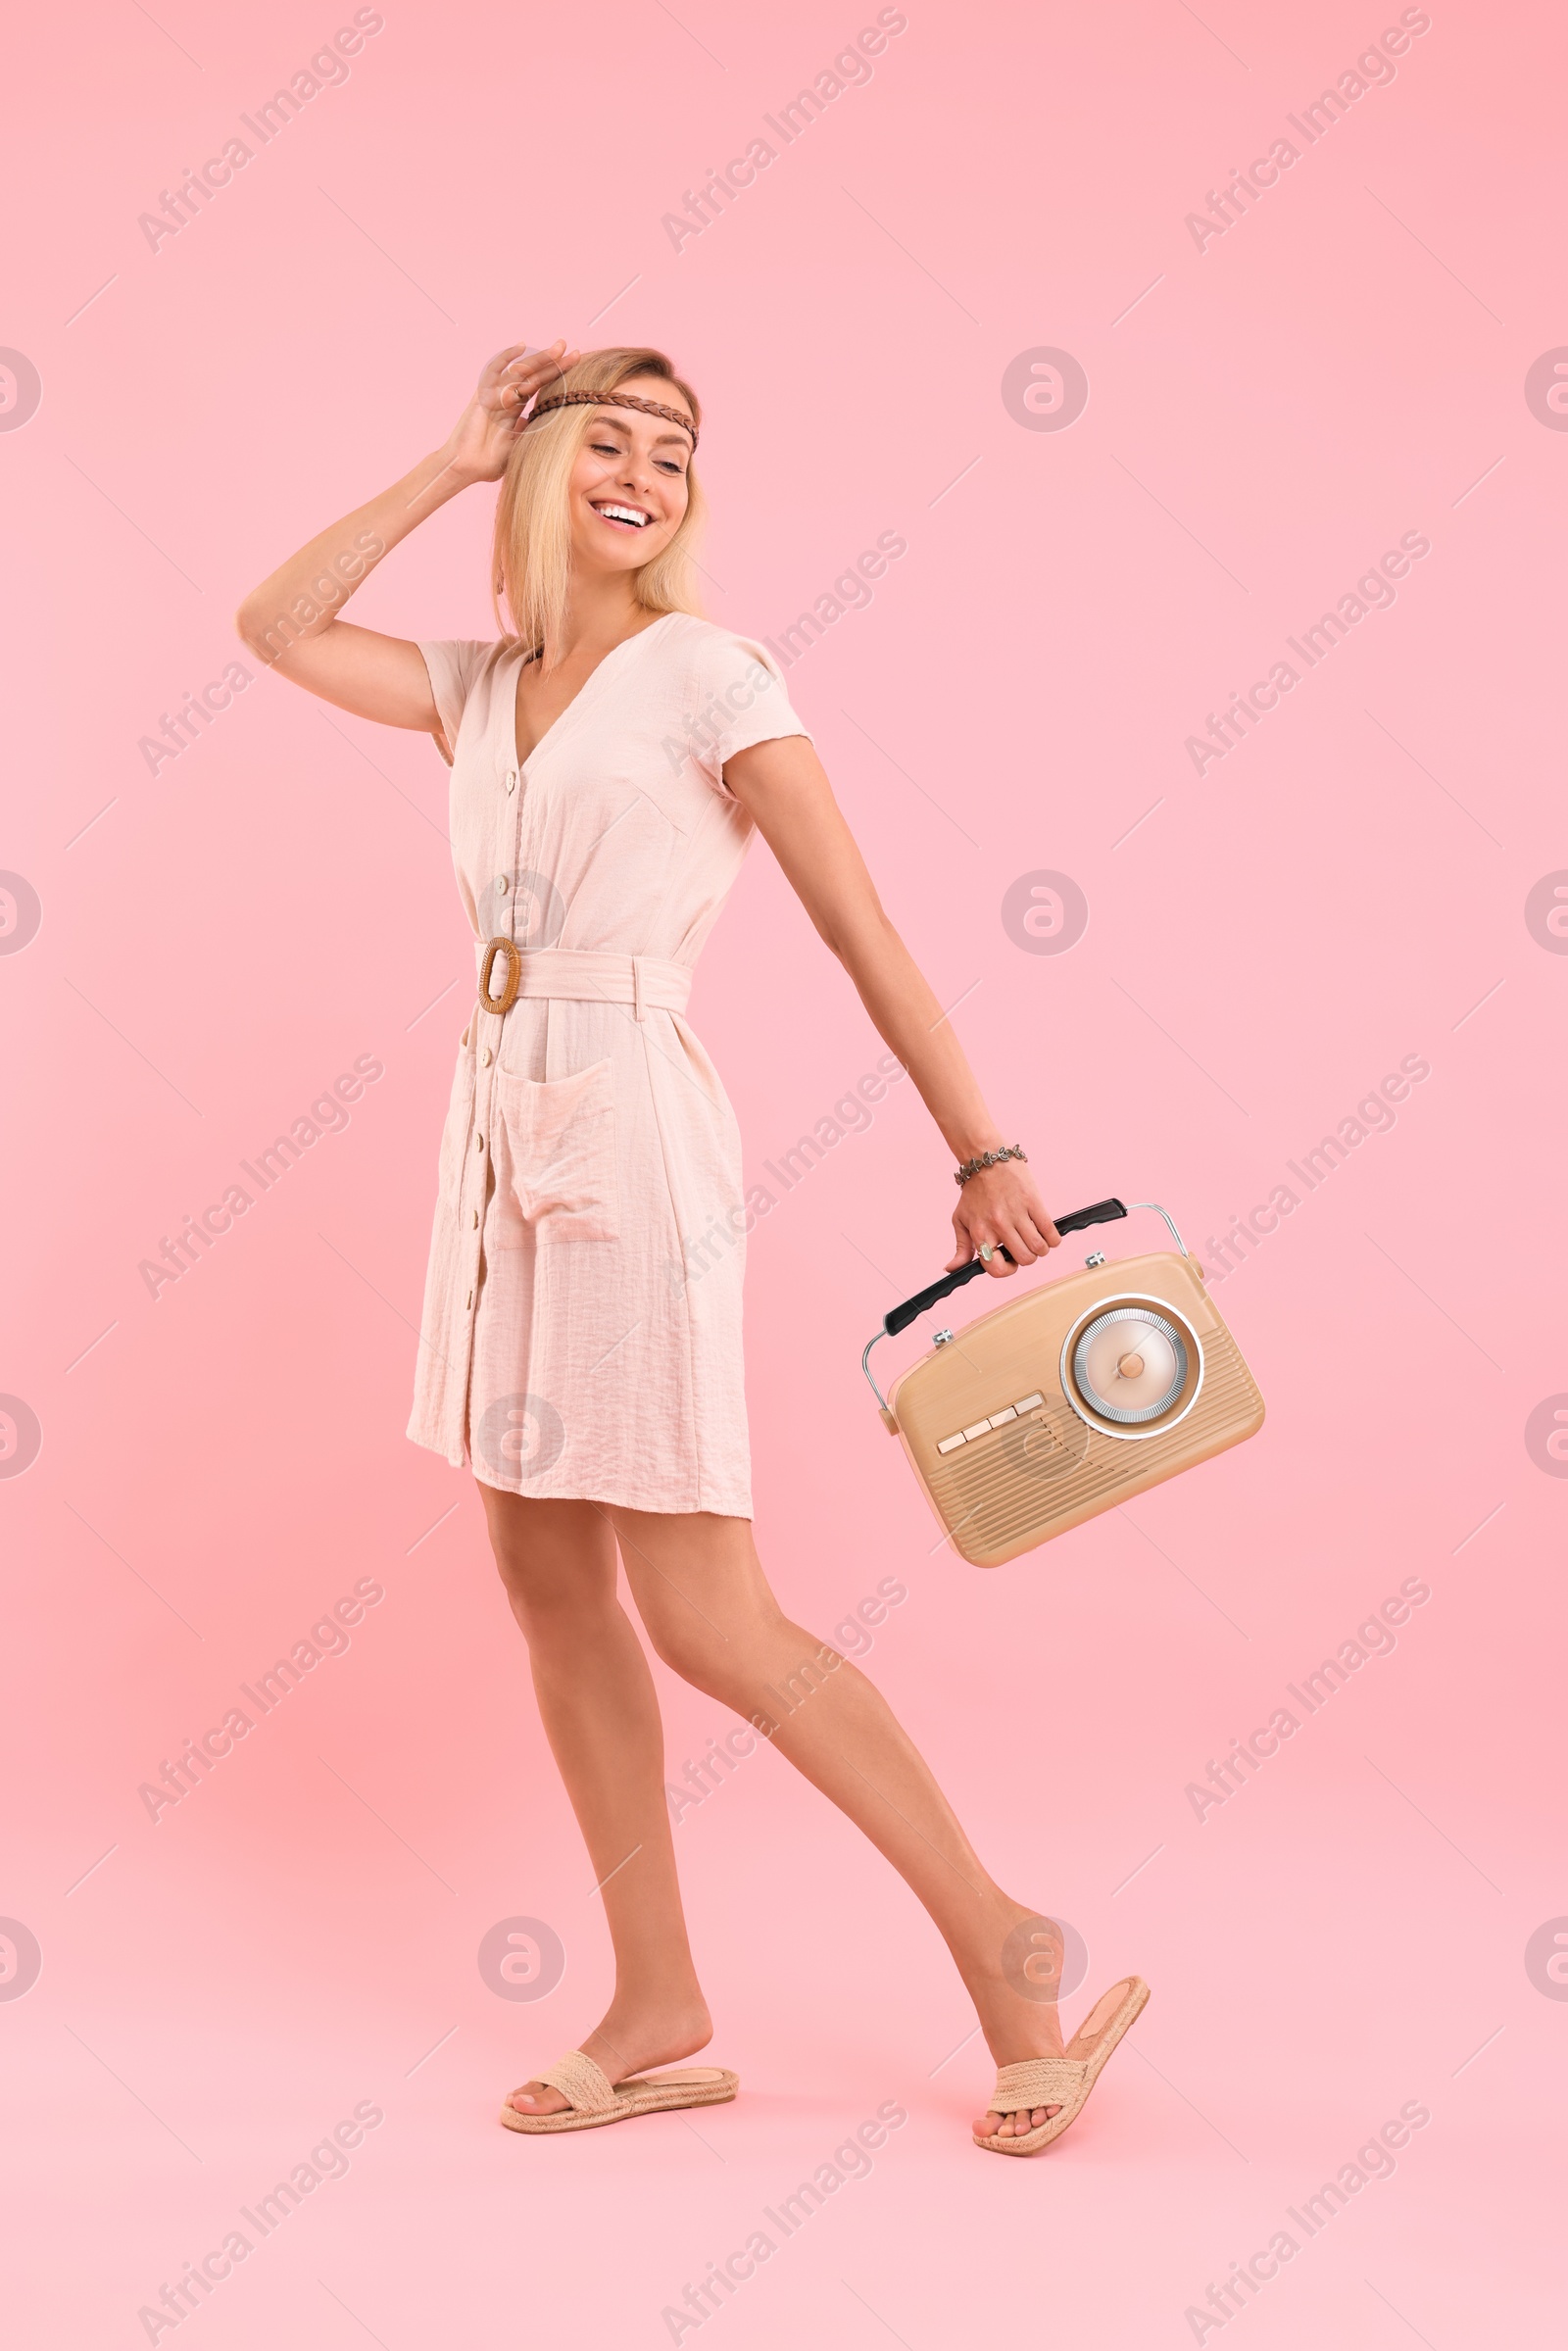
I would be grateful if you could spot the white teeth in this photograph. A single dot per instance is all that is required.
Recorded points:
(624, 513)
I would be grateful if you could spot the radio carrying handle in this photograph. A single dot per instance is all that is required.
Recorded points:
(899, 1318)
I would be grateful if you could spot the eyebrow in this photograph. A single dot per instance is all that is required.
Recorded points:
(621, 425)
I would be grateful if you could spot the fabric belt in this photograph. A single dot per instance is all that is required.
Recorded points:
(580, 976)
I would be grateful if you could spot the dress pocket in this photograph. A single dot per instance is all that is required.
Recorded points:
(556, 1166)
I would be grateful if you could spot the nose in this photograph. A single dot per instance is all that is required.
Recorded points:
(637, 474)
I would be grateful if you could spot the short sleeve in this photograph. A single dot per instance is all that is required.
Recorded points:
(453, 663)
(741, 701)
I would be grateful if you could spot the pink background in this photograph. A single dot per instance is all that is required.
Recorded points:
(1347, 887)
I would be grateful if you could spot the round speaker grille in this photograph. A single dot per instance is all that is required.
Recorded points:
(1130, 1364)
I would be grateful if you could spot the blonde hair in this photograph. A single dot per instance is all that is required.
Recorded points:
(532, 565)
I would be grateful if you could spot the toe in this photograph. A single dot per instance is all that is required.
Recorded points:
(1011, 2125)
(993, 2124)
(535, 2098)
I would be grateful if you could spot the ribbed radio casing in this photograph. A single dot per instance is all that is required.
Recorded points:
(1020, 1485)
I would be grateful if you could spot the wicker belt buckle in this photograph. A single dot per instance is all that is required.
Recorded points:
(513, 979)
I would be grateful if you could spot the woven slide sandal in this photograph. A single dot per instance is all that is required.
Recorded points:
(595, 2099)
(1064, 2082)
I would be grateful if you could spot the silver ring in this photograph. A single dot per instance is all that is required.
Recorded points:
(988, 1250)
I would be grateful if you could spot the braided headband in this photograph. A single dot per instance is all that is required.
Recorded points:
(651, 407)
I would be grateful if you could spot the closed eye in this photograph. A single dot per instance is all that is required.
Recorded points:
(665, 464)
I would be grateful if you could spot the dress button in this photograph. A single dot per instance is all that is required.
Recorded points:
(470, 1297)
(500, 885)
(474, 1217)
(484, 1056)
(479, 1143)
(511, 779)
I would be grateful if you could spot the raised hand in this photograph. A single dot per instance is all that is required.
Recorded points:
(480, 442)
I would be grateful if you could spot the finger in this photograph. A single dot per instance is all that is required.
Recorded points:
(499, 391)
(1037, 1230)
(974, 1234)
(1035, 1213)
(547, 364)
(520, 354)
(987, 1233)
(530, 368)
(516, 395)
(521, 388)
(496, 371)
(545, 361)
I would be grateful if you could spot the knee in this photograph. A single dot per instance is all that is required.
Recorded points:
(544, 1605)
(555, 1588)
(719, 1660)
(688, 1650)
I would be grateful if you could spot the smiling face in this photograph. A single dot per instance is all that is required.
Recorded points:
(600, 506)
(627, 493)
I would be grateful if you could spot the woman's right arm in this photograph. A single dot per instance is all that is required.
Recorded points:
(291, 621)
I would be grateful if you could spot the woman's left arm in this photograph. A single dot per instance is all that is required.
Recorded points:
(784, 788)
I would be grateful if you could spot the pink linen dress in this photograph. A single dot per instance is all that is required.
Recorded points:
(581, 1334)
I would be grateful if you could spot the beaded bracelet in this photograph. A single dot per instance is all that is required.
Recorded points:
(1011, 1150)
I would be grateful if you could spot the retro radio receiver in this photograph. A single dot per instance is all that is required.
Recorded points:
(1066, 1400)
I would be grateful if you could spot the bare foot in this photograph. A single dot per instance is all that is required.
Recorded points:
(628, 2042)
(1017, 2009)
(1014, 2125)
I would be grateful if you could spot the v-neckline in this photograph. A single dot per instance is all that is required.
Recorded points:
(562, 717)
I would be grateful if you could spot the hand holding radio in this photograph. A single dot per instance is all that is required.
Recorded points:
(1066, 1400)
(1000, 1209)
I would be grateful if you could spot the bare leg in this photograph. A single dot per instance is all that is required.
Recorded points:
(601, 1715)
(711, 1615)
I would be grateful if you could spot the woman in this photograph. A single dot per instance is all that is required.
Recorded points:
(611, 755)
